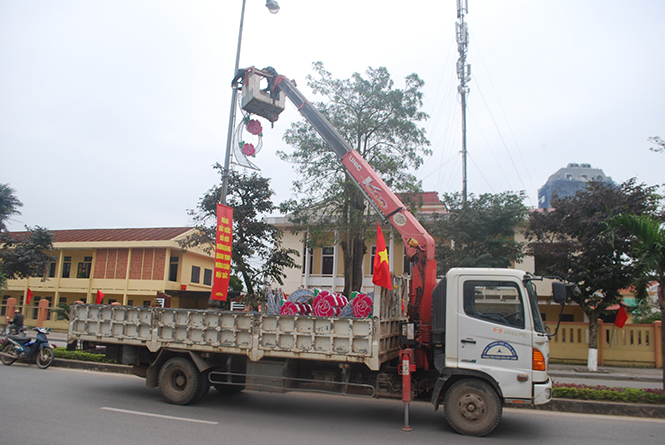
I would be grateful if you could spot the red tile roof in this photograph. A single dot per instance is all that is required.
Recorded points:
(97, 235)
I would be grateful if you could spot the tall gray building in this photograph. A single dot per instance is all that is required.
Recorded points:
(567, 181)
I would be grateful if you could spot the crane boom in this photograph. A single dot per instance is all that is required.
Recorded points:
(418, 242)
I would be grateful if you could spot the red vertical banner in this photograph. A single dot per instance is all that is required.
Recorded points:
(223, 243)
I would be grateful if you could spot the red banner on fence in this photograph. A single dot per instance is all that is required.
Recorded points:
(223, 243)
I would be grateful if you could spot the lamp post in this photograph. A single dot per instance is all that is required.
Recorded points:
(273, 7)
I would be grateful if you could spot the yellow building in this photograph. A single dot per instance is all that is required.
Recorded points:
(138, 267)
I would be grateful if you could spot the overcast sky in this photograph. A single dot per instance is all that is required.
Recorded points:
(113, 112)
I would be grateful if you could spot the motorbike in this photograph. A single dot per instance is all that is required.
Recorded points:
(11, 329)
(25, 349)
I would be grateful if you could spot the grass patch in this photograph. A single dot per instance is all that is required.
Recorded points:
(607, 393)
(82, 356)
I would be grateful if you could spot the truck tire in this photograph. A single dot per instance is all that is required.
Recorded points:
(179, 381)
(472, 407)
(204, 388)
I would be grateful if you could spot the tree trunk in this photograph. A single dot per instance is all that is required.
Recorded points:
(354, 244)
(592, 360)
(661, 303)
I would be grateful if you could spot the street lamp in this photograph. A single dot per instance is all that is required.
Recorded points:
(273, 7)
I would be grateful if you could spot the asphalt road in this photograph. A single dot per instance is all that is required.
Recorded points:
(62, 406)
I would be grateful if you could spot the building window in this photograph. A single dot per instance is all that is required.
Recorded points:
(371, 260)
(309, 251)
(67, 267)
(130, 302)
(173, 269)
(3, 311)
(146, 303)
(327, 259)
(207, 277)
(84, 268)
(52, 266)
(196, 274)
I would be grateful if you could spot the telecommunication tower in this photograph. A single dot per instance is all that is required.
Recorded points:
(464, 76)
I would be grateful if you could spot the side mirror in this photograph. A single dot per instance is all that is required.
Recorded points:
(559, 292)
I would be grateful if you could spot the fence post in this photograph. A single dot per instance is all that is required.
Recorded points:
(42, 311)
(658, 326)
(601, 343)
(9, 311)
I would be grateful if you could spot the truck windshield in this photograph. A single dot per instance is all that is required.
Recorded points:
(538, 324)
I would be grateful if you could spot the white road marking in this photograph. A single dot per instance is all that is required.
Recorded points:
(184, 419)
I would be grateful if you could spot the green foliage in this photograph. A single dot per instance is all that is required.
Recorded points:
(254, 240)
(570, 240)
(645, 235)
(62, 310)
(9, 205)
(611, 394)
(482, 229)
(377, 120)
(660, 144)
(63, 353)
(26, 254)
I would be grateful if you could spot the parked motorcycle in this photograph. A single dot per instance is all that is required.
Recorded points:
(25, 349)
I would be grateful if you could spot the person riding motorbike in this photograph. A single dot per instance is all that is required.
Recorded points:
(16, 323)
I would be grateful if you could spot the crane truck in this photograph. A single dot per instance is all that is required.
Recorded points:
(472, 341)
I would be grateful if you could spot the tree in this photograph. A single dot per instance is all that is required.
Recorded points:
(257, 255)
(482, 231)
(646, 237)
(568, 241)
(25, 254)
(9, 205)
(381, 123)
(660, 144)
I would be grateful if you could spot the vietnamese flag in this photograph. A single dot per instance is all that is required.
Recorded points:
(100, 296)
(29, 295)
(381, 276)
(622, 316)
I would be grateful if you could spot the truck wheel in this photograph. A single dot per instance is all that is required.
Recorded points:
(10, 356)
(179, 381)
(204, 388)
(44, 358)
(472, 407)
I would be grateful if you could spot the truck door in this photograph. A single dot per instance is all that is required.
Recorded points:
(494, 333)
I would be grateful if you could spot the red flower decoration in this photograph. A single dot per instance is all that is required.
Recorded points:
(254, 127)
(322, 306)
(289, 308)
(248, 150)
(362, 306)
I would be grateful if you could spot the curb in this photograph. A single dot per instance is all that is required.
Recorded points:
(92, 366)
(555, 405)
(605, 408)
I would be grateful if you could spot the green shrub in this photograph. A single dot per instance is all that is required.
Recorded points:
(81, 355)
(606, 393)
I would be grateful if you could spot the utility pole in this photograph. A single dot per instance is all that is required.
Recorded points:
(464, 76)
